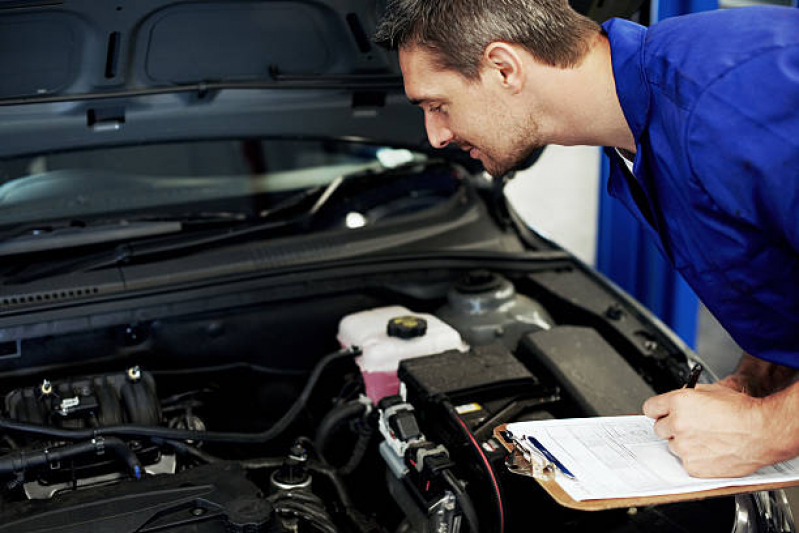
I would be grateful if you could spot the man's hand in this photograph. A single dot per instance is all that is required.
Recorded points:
(715, 430)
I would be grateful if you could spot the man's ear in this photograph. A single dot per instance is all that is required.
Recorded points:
(504, 61)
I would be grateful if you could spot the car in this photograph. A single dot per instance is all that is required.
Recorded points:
(240, 292)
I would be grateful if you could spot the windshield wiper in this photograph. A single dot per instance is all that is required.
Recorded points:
(268, 220)
(44, 239)
(127, 252)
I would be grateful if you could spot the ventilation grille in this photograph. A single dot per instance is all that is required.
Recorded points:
(49, 296)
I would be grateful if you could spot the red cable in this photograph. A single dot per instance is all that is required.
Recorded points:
(490, 472)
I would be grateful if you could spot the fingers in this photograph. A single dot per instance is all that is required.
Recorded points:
(658, 406)
(664, 427)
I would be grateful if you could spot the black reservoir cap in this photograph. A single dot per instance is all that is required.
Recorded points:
(406, 327)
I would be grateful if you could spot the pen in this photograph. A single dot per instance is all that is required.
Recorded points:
(694, 377)
(549, 457)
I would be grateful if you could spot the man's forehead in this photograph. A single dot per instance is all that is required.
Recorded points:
(424, 79)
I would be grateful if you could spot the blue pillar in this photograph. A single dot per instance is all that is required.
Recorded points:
(663, 9)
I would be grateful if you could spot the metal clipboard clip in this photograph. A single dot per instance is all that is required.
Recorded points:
(524, 462)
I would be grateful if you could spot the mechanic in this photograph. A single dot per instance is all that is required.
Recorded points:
(700, 118)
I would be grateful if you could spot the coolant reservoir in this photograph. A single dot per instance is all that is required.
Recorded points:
(484, 307)
(387, 335)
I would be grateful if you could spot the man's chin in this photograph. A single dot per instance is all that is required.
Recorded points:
(500, 168)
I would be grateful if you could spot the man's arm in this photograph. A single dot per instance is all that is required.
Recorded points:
(720, 432)
(759, 378)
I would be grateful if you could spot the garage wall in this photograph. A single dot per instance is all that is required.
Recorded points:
(559, 197)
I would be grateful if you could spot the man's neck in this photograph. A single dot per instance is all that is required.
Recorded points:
(584, 105)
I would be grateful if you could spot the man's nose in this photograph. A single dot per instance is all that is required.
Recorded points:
(438, 134)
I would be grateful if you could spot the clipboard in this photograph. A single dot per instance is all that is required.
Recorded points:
(518, 462)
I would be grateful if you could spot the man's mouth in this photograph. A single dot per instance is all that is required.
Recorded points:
(473, 152)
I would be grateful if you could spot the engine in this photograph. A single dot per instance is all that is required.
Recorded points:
(391, 432)
(84, 404)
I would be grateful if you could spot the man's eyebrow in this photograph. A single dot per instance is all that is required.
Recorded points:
(423, 99)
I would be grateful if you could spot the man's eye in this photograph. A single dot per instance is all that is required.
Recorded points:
(435, 109)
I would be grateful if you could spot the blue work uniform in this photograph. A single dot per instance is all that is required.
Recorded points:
(712, 100)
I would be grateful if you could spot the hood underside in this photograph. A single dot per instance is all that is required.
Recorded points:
(80, 73)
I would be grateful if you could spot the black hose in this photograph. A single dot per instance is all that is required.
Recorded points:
(187, 449)
(180, 434)
(20, 461)
(263, 462)
(464, 501)
(365, 433)
(335, 480)
(331, 421)
(229, 366)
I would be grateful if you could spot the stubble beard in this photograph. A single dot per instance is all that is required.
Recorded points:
(525, 139)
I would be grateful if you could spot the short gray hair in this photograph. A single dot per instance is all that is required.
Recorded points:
(458, 31)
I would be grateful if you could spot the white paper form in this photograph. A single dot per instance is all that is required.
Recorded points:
(621, 457)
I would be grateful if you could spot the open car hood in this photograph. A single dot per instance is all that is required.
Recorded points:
(81, 73)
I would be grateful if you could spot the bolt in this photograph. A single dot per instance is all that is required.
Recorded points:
(298, 453)
(198, 511)
(614, 312)
(134, 373)
(47, 387)
(651, 346)
(133, 335)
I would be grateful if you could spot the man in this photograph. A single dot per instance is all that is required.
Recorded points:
(706, 108)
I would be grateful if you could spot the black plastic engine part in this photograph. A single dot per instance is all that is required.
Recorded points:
(457, 374)
(138, 430)
(588, 369)
(102, 400)
(206, 499)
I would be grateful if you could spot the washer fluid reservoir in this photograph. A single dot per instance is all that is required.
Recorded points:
(387, 335)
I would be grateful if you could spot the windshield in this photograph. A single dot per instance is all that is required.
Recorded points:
(246, 177)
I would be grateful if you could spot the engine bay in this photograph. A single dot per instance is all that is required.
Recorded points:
(264, 417)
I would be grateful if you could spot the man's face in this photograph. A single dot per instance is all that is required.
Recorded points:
(476, 115)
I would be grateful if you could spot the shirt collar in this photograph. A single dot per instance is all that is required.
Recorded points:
(626, 50)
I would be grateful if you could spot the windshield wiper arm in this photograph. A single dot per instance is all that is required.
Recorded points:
(72, 236)
(127, 252)
(124, 253)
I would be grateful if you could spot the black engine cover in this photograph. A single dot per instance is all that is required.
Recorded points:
(206, 499)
